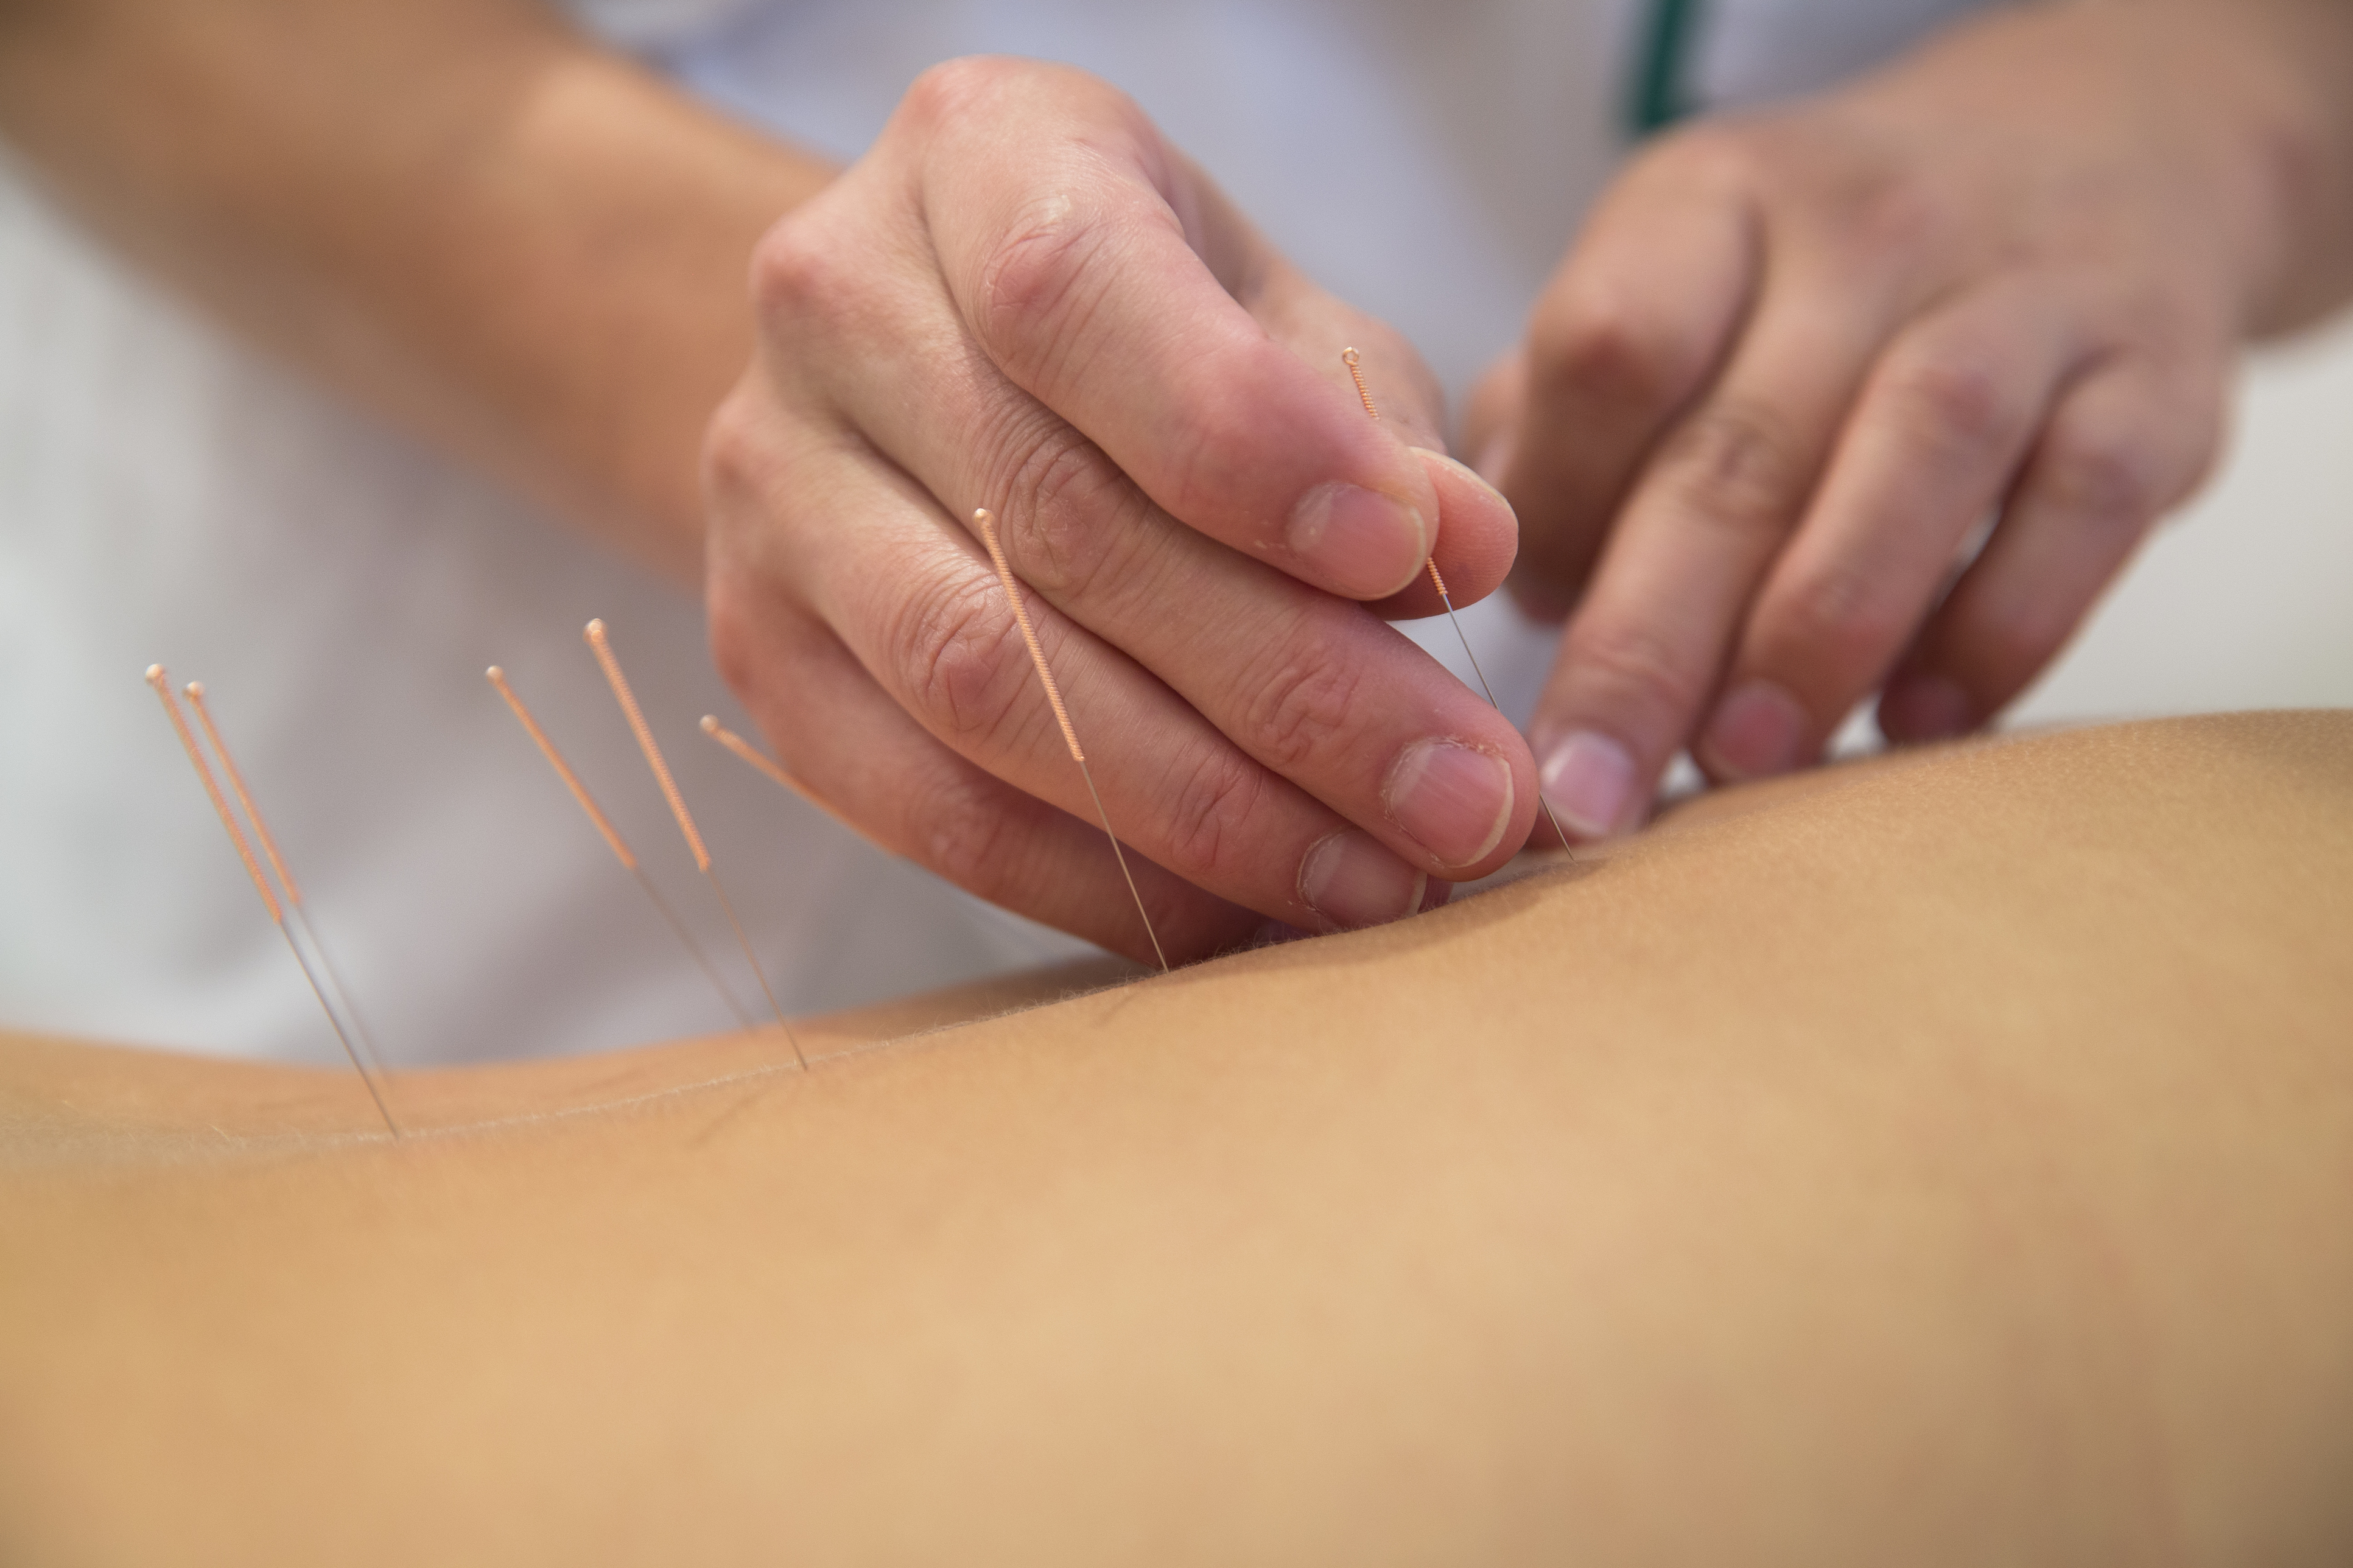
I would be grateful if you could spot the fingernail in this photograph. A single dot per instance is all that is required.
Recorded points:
(1363, 543)
(1352, 880)
(1924, 708)
(1587, 781)
(1756, 732)
(1495, 458)
(1453, 801)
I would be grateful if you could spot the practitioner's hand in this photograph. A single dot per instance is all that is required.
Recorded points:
(1023, 299)
(1797, 360)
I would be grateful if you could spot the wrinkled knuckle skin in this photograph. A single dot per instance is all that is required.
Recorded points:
(1216, 795)
(1881, 218)
(1073, 516)
(1632, 669)
(1737, 467)
(1302, 706)
(959, 653)
(1591, 348)
(1841, 621)
(1040, 284)
(802, 278)
(1950, 402)
(2112, 480)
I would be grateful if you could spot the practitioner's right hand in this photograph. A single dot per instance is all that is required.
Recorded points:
(1023, 299)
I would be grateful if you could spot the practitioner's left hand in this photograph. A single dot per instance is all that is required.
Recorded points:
(1797, 360)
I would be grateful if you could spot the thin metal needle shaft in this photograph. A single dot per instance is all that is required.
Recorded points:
(194, 692)
(366, 1077)
(156, 679)
(986, 523)
(1120, 855)
(1348, 357)
(602, 647)
(614, 842)
(693, 948)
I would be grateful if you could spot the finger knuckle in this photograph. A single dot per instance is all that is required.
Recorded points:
(1216, 793)
(1041, 283)
(956, 87)
(798, 275)
(2113, 478)
(960, 658)
(1840, 618)
(1632, 668)
(1948, 399)
(1592, 345)
(739, 459)
(1302, 703)
(1076, 516)
(1739, 465)
(1880, 217)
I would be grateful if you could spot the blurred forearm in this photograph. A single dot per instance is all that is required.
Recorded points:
(459, 212)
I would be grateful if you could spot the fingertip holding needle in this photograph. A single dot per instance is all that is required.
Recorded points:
(985, 521)
(602, 646)
(498, 679)
(1349, 357)
(163, 685)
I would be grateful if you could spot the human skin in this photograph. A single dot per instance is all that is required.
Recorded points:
(469, 217)
(1797, 358)
(1945, 1162)
(1022, 297)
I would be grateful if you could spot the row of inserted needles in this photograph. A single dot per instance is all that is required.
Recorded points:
(284, 899)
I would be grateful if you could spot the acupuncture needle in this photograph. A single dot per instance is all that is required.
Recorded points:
(751, 754)
(986, 523)
(498, 678)
(603, 649)
(156, 679)
(194, 692)
(1356, 373)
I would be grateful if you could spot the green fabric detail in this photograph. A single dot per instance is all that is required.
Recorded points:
(1657, 95)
